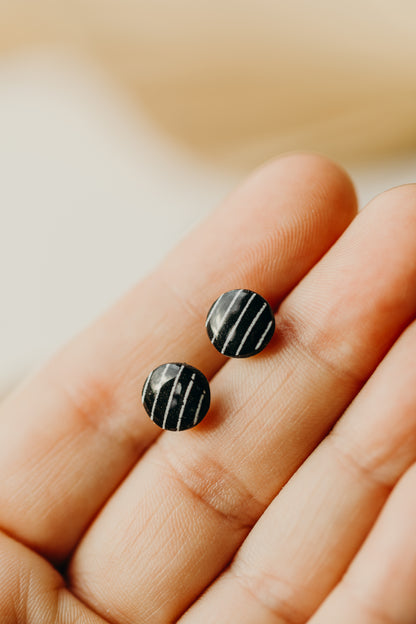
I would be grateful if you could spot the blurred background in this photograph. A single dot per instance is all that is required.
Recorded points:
(123, 123)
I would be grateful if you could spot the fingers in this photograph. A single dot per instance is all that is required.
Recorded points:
(70, 435)
(379, 587)
(306, 539)
(187, 506)
(31, 591)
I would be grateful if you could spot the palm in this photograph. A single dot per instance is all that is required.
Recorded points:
(148, 530)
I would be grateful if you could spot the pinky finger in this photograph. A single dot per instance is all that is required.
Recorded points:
(380, 585)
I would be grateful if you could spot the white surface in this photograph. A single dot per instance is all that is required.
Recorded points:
(91, 197)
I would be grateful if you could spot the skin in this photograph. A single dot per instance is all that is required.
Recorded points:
(293, 501)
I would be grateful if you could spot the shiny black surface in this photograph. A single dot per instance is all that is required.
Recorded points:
(240, 323)
(176, 396)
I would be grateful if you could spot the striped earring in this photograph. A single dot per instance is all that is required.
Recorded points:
(176, 396)
(240, 323)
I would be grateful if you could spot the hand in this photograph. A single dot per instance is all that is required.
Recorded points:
(294, 500)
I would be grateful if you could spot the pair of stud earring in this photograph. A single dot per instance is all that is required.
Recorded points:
(240, 324)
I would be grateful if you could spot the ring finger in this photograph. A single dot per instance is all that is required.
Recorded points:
(379, 587)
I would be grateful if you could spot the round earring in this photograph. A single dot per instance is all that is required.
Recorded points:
(240, 323)
(176, 396)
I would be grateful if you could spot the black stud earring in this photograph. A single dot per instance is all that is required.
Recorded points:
(240, 323)
(176, 396)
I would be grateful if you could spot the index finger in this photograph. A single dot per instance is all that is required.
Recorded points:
(71, 434)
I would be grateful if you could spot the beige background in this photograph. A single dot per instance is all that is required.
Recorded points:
(243, 79)
(123, 123)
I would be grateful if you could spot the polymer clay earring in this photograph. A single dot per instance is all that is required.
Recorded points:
(176, 396)
(240, 323)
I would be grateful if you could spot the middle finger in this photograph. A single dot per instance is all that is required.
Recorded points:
(184, 510)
